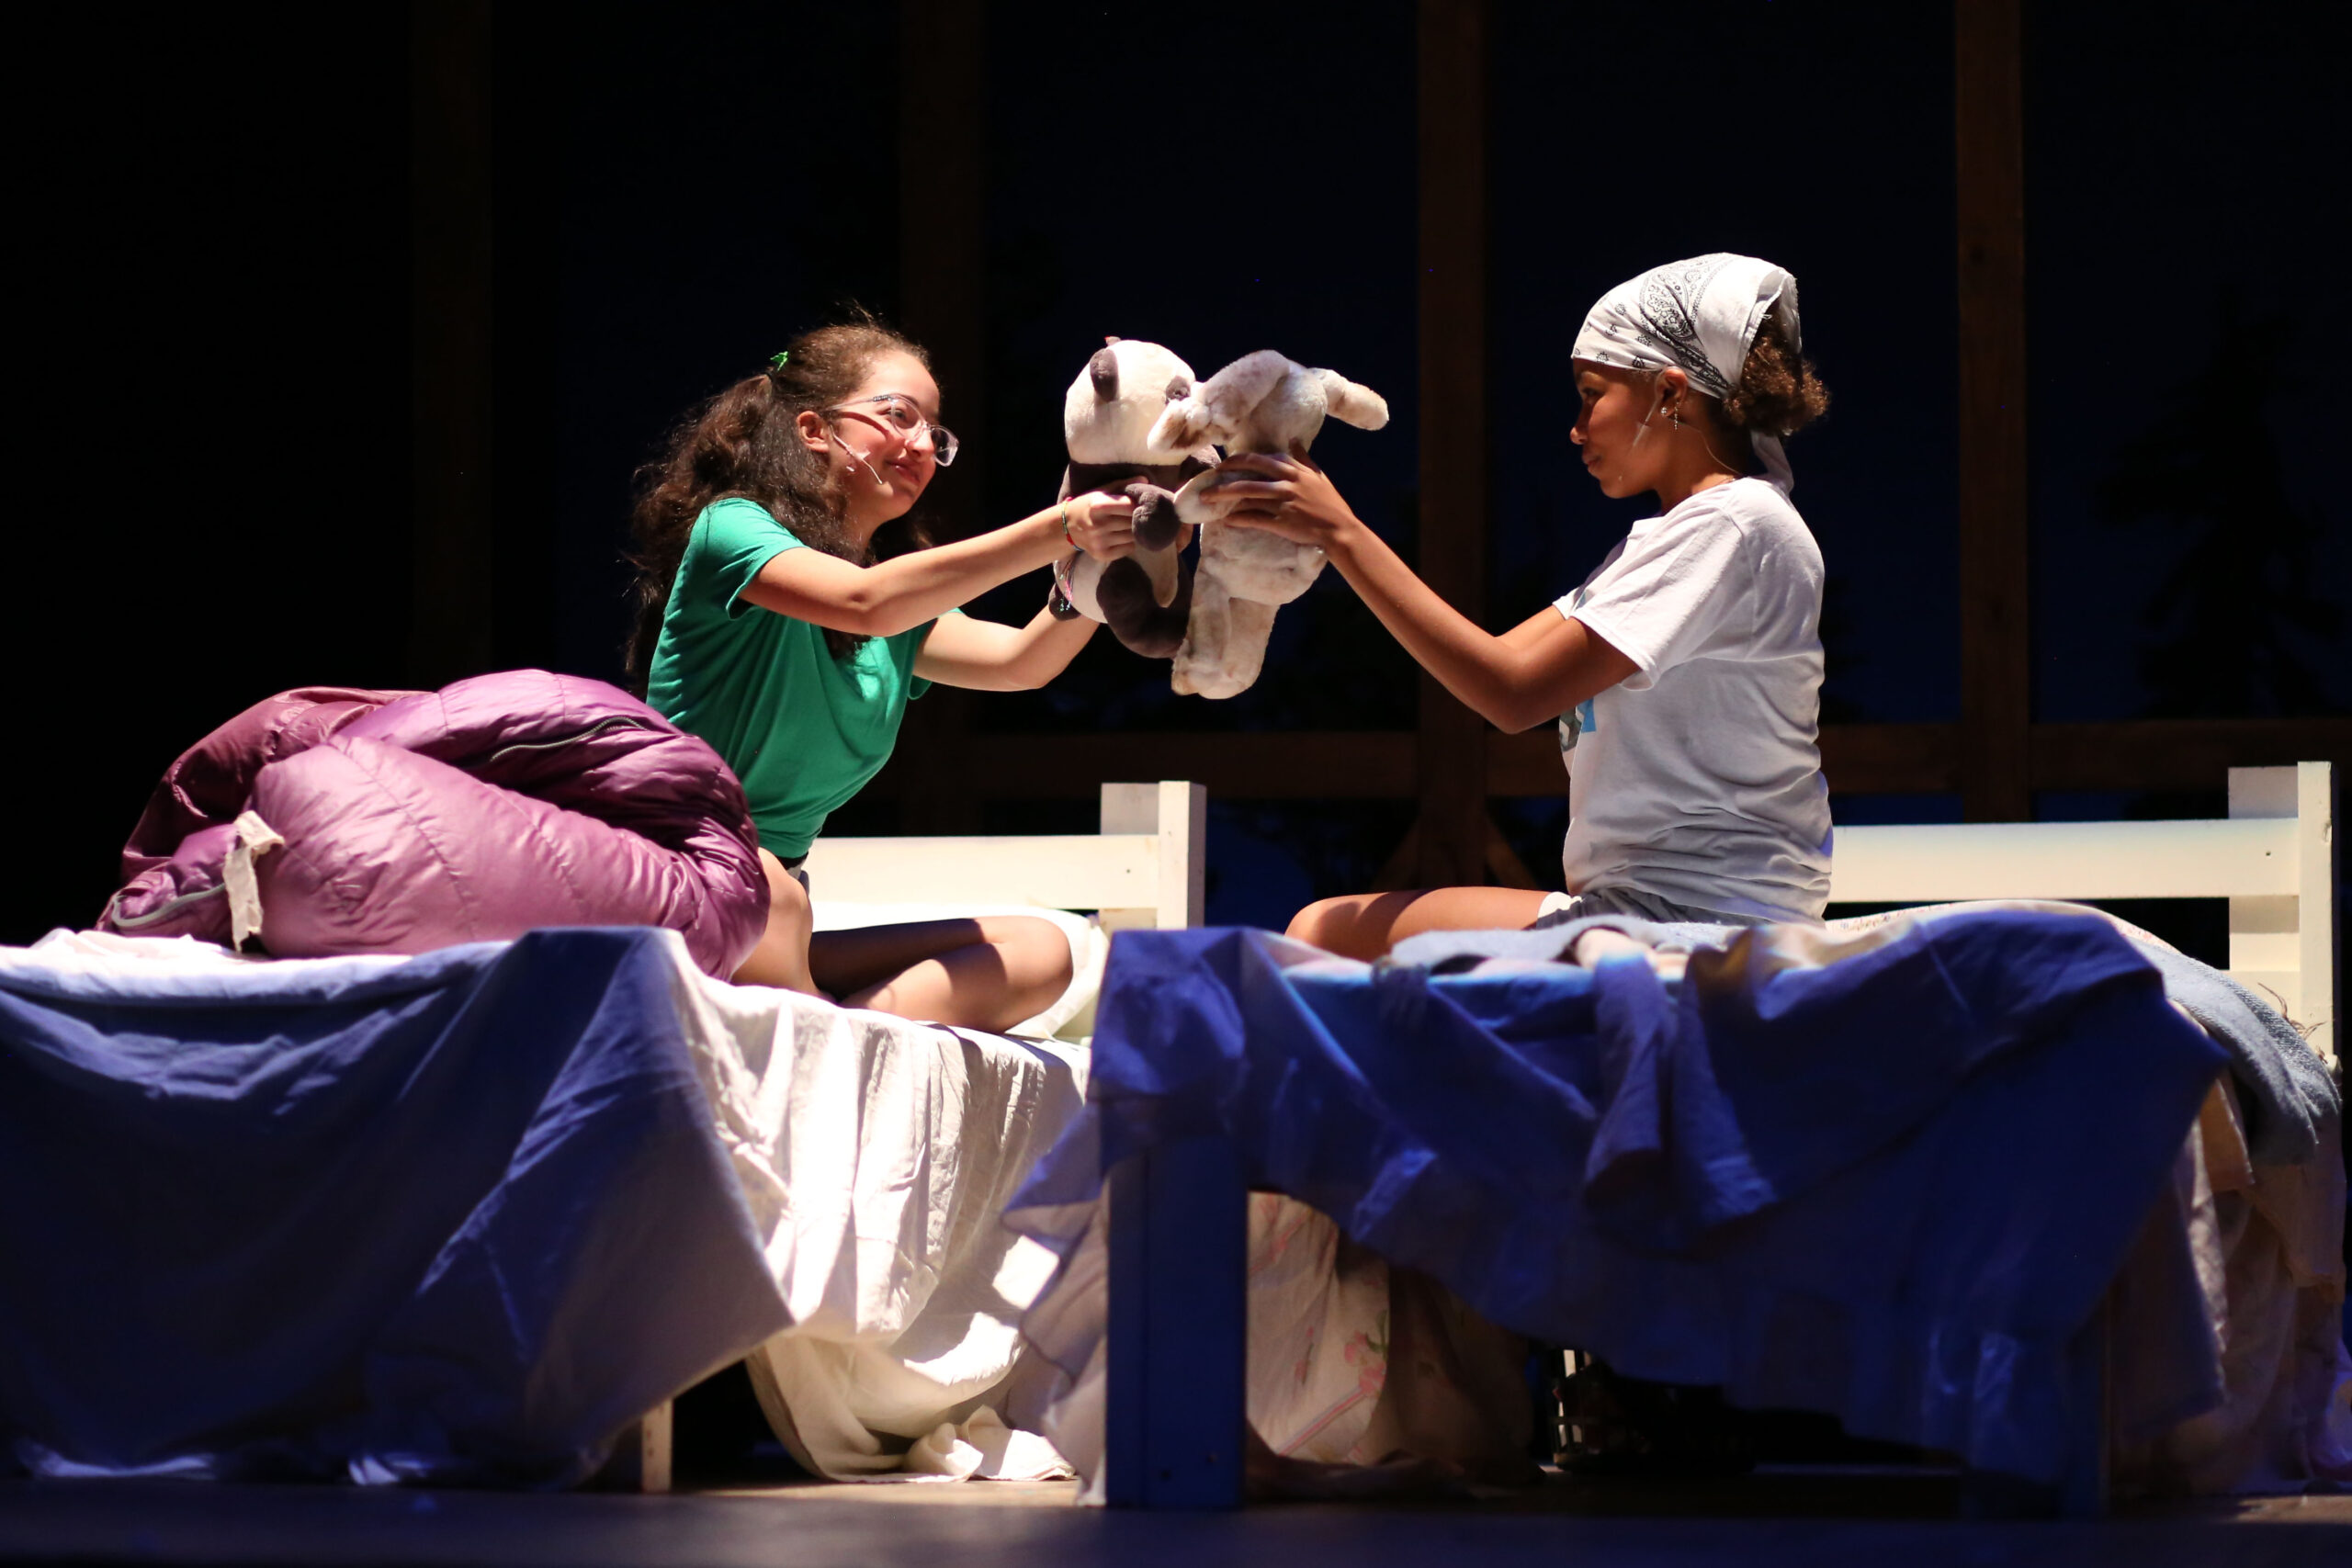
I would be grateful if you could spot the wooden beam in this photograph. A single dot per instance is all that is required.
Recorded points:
(1860, 759)
(941, 264)
(1896, 758)
(1890, 759)
(2180, 753)
(1330, 765)
(1450, 758)
(452, 554)
(1996, 674)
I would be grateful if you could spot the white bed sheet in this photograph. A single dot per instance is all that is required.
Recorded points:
(877, 1156)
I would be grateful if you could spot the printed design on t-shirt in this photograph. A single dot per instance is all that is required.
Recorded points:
(1578, 721)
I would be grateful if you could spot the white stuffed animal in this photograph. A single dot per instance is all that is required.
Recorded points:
(1108, 416)
(1260, 402)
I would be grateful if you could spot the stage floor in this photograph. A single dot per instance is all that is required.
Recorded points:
(1815, 1519)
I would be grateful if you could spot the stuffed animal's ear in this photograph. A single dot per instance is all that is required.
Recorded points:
(1351, 404)
(1181, 427)
(1103, 371)
(1240, 387)
(1219, 406)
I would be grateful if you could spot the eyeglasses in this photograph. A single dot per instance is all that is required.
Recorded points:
(898, 414)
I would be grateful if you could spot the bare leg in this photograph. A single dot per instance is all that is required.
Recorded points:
(782, 957)
(1366, 925)
(986, 973)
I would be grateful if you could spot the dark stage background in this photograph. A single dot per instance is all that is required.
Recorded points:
(239, 250)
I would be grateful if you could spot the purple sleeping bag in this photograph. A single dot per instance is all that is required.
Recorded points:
(412, 821)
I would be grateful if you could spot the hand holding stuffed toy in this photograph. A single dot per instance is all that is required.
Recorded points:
(1260, 402)
(1108, 417)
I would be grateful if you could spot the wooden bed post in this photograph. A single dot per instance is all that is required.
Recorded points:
(2081, 1490)
(1451, 832)
(1995, 676)
(641, 1457)
(1176, 814)
(2284, 944)
(1179, 1343)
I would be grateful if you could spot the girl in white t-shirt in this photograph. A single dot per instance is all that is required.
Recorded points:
(1685, 672)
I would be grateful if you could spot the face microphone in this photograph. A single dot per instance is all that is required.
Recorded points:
(852, 452)
(1657, 400)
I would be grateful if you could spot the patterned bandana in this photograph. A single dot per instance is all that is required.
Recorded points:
(1700, 317)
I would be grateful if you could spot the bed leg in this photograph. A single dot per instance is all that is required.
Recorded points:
(2090, 1406)
(2082, 1492)
(640, 1456)
(1179, 1337)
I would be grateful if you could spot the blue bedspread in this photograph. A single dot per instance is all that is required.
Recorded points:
(456, 1218)
(2286, 1091)
(1891, 1187)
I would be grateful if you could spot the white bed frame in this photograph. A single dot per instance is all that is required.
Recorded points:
(2269, 858)
(1145, 868)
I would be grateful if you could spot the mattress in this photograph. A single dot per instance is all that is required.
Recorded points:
(462, 1217)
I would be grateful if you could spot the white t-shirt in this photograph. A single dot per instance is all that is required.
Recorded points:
(1698, 777)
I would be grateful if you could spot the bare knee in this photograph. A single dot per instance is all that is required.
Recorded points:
(1035, 954)
(1026, 967)
(1313, 924)
(1356, 925)
(786, 897)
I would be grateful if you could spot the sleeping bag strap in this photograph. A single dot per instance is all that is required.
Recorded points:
(253, 838)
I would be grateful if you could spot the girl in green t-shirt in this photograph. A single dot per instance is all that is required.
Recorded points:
(766, 627)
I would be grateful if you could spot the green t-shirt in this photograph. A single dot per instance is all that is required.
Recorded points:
(802, 729)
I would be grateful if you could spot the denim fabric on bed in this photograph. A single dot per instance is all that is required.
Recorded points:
(449, 1219)
(2286, 1091)
(1892, 1188)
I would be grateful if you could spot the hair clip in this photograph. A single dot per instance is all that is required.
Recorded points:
(779, 360)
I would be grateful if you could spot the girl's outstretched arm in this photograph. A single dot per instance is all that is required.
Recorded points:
(887, 598)
(987, 656)
(1535, 672)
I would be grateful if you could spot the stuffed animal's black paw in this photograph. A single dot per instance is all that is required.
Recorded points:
(1156, 522)
(1140, 621)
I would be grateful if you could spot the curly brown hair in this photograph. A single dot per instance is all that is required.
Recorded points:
(1778, 394)
(745, 443)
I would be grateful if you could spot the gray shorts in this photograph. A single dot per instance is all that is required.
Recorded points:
(1559, 908)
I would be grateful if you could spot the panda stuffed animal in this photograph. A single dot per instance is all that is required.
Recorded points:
(1108, 416)
(1260, 402)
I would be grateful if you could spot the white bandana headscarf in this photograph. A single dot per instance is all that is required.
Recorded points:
(1700, 317)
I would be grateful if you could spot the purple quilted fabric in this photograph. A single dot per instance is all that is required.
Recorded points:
(414, 820)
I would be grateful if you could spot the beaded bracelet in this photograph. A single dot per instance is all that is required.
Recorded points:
(1058, 603)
